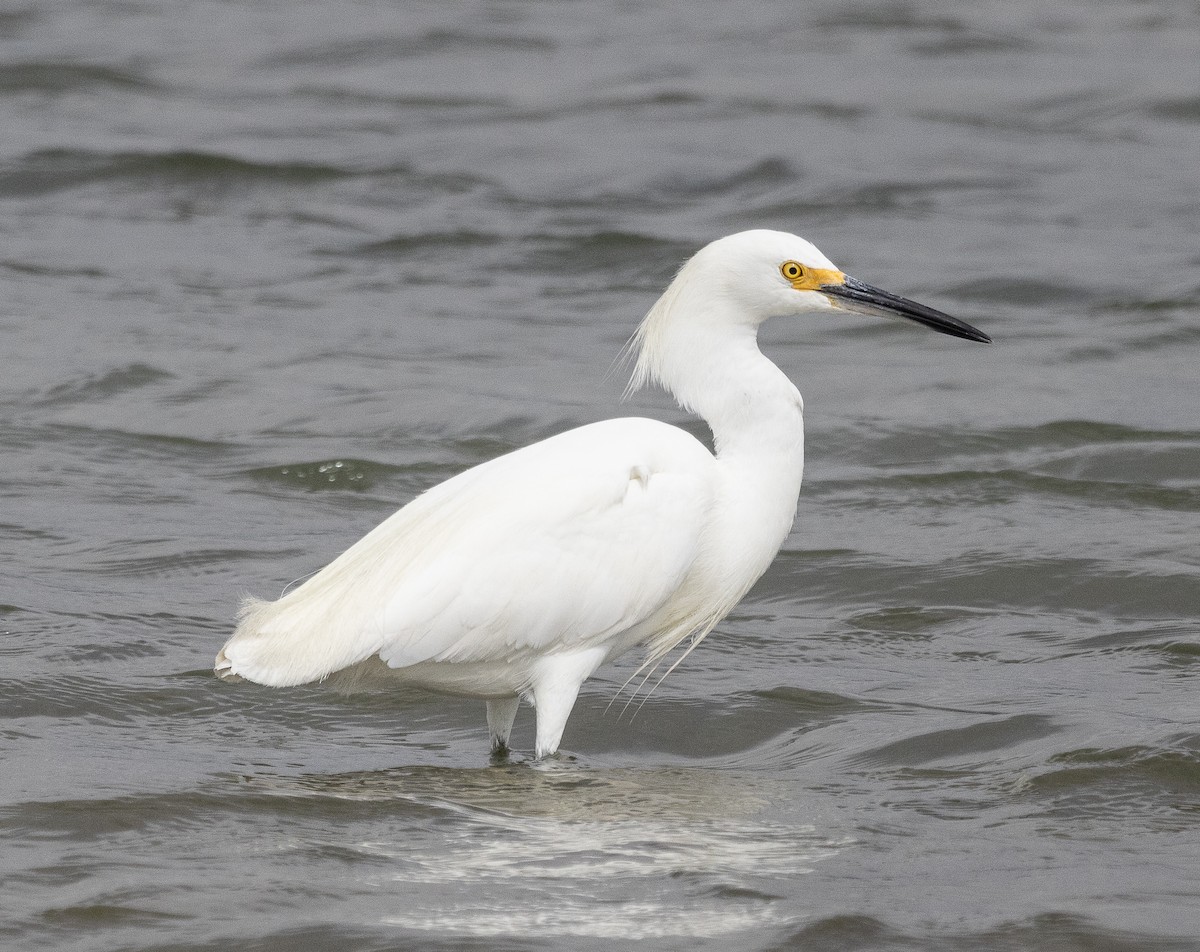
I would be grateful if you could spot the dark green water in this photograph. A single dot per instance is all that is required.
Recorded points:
(268, 270)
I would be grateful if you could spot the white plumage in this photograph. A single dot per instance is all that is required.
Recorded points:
(521, 576)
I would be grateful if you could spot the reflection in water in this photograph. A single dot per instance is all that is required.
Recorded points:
(567, 850)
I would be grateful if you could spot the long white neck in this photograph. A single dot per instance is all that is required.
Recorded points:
(700, 348)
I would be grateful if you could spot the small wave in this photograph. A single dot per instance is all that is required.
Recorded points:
(1159, 784)
(1003, 486)
(1048, 930)
(1074, 460)
(1014, 290)
(112, 383)
(972, 42)
(613, 254)
(95, 697)
(389, 47)
(970, 743)
(51, 271)
(1181, 109)
(1083, 116)
(191, 564)
(44, 76)
(324, 474)
(420, 245)
(53, 170)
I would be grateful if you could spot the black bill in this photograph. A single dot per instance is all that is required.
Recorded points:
(866, 299)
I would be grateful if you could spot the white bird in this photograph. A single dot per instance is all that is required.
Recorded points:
(523, 575)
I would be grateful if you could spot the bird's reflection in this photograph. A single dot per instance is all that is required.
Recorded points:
(571, 849)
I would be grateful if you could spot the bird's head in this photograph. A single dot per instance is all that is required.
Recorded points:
(730, 286)
(766, 274)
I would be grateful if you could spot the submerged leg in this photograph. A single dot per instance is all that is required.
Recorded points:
(555, 688)
(501, 712)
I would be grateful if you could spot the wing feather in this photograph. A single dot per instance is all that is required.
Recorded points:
(558, 545)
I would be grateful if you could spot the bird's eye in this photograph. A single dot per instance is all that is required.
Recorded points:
(792, 270)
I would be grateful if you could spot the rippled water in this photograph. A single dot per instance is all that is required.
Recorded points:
(268, 270)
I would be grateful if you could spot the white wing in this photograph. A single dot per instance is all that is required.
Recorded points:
(561, 544)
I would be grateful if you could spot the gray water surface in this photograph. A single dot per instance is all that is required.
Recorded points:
(269, 270)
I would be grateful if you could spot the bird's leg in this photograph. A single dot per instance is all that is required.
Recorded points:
(555, 688)
(501, 712)
(553, 708)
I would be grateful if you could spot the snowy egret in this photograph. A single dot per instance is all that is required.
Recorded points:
(523, 575)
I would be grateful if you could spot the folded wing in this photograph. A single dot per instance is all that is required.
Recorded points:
(563, 544)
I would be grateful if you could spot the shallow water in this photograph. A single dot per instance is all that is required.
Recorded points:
(270, 270)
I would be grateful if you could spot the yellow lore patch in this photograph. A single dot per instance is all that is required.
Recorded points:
(805, 278)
